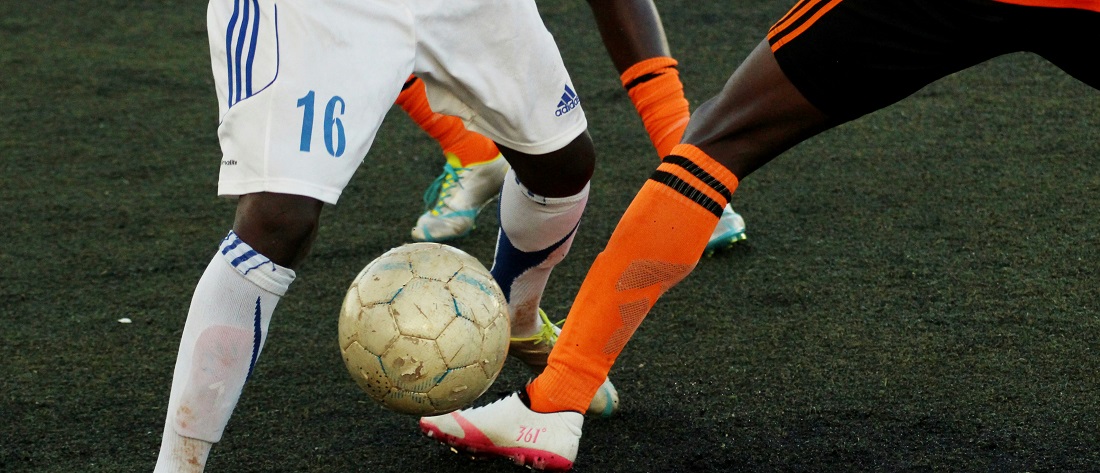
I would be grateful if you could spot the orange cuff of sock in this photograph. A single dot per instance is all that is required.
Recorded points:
(644, 67)
(707, 164)
(452, 135)
(655, 89)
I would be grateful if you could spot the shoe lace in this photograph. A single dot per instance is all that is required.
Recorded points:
(546, 333)
(441, 188)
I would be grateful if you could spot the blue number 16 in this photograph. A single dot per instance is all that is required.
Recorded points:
(334, 128)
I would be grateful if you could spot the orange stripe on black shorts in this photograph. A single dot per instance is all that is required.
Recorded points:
(797, 20)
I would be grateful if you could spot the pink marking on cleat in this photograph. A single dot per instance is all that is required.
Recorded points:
(473, 440)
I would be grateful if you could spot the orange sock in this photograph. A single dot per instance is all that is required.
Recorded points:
(656, 244)
(469, 147)
(655, 88)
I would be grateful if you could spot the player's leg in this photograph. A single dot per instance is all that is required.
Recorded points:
(270, 90)
(540, 210)
(631, 31)
(228, 318)
(498, 68)
(472, 174)
(759, 113)
(503, 75)
(791, 87)
(635, 39)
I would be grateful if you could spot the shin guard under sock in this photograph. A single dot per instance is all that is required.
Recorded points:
(225, 331)
(535, 235)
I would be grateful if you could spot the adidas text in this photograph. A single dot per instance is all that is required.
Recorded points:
(569, 101)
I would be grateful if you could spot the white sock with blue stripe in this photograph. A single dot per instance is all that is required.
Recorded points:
(222, 339)
(535, 235)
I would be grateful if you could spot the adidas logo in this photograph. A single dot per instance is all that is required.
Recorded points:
(569, 101)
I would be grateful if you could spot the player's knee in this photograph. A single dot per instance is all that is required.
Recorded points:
(560, 173)
(279, 226)
(580, 162)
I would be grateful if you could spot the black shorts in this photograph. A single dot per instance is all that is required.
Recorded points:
(852, 57)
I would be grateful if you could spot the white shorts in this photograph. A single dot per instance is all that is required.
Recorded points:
(304, 85)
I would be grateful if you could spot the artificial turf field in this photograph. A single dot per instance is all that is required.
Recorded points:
(919, 291)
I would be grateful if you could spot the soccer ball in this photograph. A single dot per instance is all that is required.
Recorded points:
(424, 329)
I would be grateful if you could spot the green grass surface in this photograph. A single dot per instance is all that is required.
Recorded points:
(919, 291)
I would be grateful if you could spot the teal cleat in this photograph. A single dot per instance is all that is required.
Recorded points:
(456, 197)
(730, 230)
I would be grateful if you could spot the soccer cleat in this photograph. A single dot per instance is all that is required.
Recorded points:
(730, 230)
(535, 350)
(509, 428)
(454, 199)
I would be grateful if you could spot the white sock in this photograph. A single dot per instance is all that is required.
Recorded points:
(535, 235)
(224, 334)
(179, 454)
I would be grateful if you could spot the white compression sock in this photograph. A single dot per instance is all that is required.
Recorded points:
(535, 235)
(225, 331)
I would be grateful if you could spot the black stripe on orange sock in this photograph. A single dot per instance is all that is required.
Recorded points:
(645, 70)
(689, 191)
(648, 77)
(701, 174)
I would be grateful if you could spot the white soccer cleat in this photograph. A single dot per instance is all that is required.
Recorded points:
(730, 230)
(509, 428)
(535, 350)
(456, 197)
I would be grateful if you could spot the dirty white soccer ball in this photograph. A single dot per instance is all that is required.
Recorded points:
(424, 329)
